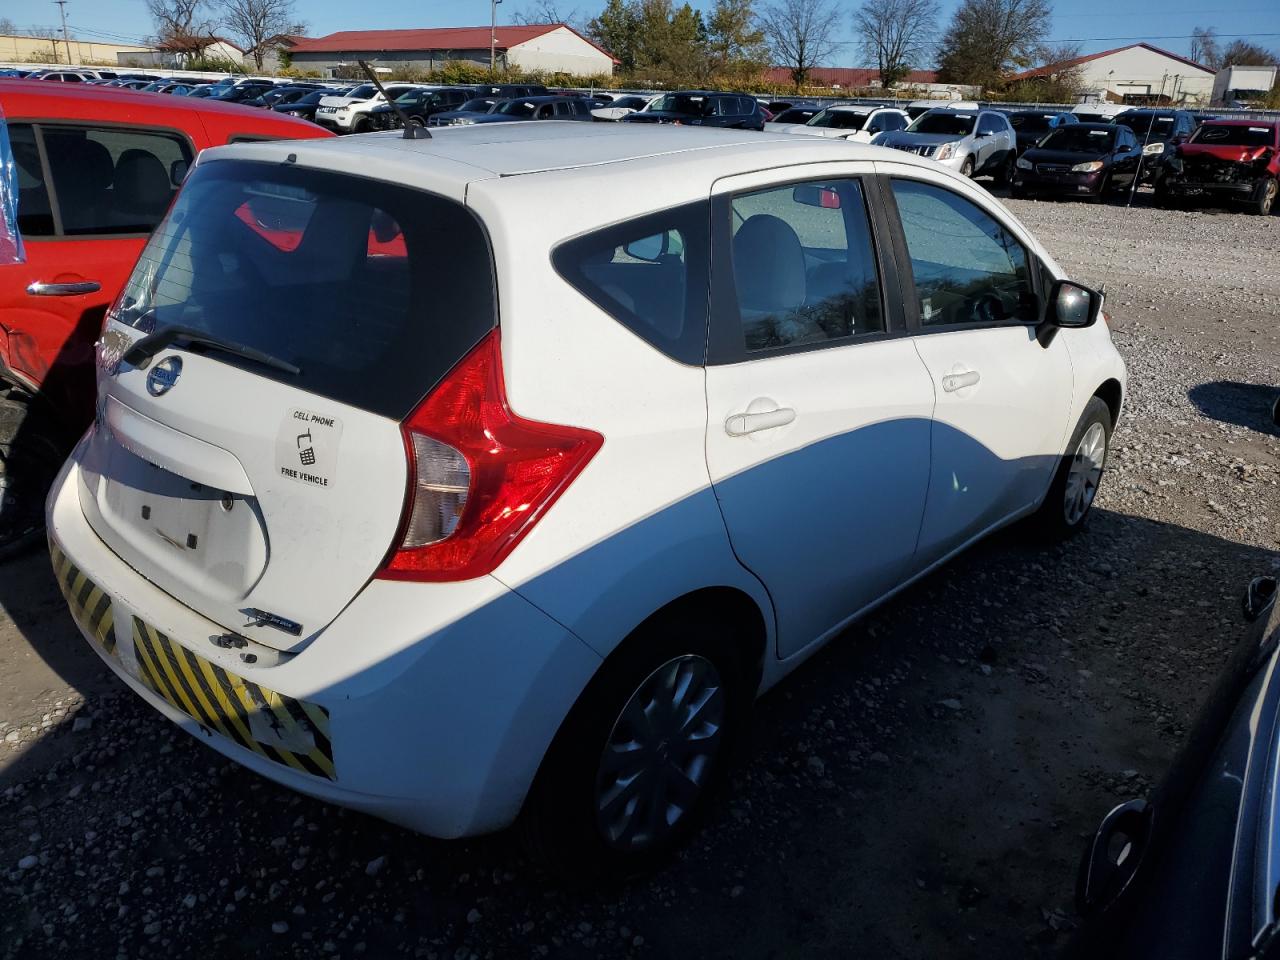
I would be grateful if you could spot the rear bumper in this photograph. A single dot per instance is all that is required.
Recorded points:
(440, 699)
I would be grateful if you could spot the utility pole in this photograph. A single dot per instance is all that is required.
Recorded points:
(493, 34)
(62, 5)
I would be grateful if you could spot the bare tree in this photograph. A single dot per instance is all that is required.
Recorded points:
(182, 23)
(895, 34)
(254, 22)
(545, 11)
(7, 27)
(1242, 53)
(801, 34)
(1204, 46)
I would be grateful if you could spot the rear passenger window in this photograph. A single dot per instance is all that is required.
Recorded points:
(35, 216)
(648, 274)
(113, 180)
(804, 265)
(967, 267)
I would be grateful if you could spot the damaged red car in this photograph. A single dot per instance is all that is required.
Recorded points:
(1231, 161)
(92, 171)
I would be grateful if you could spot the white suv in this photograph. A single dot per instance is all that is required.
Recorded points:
(848, 121)
(350, 113)
(523, 540)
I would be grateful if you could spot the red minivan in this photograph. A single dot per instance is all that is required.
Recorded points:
(96, 168)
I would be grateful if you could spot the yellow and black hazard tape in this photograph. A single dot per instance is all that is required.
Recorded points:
(280, 728)
(287, 731)
(90, 607)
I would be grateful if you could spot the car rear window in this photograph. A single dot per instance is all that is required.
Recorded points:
(341, 276)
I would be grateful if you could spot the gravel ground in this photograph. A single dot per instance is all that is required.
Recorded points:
(920, 789)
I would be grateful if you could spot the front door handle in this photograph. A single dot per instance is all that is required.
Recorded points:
(740, 424)
(958, 381)
(39, 288)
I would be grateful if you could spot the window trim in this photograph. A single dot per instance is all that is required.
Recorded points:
(689, 218)
(726, 344)
(55, 206)
(909, 294)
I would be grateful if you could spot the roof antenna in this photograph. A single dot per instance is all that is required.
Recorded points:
(411, 131)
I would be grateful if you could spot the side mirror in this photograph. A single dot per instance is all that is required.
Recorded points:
(649, 249)
(1259, 597)
(1072, 305)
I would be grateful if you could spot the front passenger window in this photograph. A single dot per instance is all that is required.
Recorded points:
(804, 265)
(967, 267)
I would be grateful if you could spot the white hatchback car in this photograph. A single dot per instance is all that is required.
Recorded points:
(525, 539)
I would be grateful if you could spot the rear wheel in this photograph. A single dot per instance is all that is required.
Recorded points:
(31, 452)
(1070, 498)
(1264, 197)
(635, 764)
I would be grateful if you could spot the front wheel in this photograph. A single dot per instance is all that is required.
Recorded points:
(966, 168)
(1005, 174)
(1070, 498)
(1264, 197)
(634, 766)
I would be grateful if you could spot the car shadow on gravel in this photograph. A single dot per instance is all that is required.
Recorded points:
(1246, 405)
(920, 789)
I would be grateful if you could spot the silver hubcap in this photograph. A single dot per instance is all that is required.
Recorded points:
(1084, 473)
(659, 754)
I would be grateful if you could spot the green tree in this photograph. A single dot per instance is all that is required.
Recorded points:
(986, 39)
(735, 39)
(617, 29)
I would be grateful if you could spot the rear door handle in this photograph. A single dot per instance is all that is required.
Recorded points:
(958, 381)
(740, 424)
(39, 288)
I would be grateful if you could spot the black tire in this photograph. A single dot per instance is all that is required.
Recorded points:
(1053, 520)
(966, 168)
(1017, 191)
(1264, 197)
(31, 452)
(1004, 175)
(362, 126)
(558, 825)
(1104, 188)
(417, 122)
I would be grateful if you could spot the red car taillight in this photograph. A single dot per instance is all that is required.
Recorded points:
(480, 476)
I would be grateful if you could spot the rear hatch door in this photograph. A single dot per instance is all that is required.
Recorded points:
(247, 455)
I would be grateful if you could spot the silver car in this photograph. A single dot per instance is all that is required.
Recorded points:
(974, 142)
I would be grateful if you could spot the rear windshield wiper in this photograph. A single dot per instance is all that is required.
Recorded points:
(153, 343)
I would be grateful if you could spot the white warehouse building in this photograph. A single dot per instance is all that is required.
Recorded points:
(550, 47)
(1138, 73)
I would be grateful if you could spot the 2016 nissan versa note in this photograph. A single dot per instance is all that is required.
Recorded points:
(522, 540)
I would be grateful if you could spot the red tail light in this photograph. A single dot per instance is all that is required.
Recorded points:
(480, 476)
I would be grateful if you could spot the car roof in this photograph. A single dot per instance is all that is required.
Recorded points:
(21, 98)
(1223, 122)
(457, 156)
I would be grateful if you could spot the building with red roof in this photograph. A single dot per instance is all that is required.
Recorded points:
(550, 47)
(1138, 73)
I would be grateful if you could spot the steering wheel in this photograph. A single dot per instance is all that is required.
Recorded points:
(986, 308)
